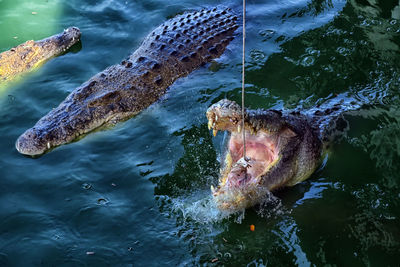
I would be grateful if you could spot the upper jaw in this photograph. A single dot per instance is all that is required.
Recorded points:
(224, 115)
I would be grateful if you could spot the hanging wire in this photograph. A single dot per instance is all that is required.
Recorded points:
(243, 62)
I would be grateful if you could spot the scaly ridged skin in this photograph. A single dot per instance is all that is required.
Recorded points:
(31, 54)
(300, 149)
(303, 139)
(171, 51)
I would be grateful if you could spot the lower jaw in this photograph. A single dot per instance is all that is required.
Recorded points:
(232, 199)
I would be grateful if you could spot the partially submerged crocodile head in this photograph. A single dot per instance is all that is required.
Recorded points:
(281, 150)
(59, 43)
(31, 54)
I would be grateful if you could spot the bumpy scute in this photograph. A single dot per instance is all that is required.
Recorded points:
(283, 149)
(172, 50)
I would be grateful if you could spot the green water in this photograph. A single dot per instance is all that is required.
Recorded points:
(22, 20)
(138, 194)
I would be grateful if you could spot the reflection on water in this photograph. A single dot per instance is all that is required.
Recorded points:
(139, 193)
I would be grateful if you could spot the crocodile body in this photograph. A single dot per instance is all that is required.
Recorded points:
(171, 51)
(283, 147)
(31, 54)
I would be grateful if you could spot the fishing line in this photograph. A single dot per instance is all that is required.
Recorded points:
(243, 69)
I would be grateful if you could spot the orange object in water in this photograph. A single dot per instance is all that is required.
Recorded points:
(252, 227)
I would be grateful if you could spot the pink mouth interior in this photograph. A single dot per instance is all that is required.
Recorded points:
(260, 148)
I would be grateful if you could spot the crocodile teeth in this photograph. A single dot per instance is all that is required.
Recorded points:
(209, 124)
(216, 117)
(212, 189)
(239, 128)
(215, 131)
(48, 145)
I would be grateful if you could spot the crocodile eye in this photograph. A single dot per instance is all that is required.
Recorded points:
(213, 50)
(155, 66)
(185, 59)
(158, 81)
(146, 73)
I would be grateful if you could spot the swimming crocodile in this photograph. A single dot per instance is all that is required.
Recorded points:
(283, 148)
(171, 51)
(31, 54)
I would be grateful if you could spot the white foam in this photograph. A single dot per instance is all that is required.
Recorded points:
(202, 208)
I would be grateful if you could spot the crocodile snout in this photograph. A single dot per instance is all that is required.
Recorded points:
(29, 143)
(72, 33)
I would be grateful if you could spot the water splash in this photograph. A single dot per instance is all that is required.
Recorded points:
(202, 209)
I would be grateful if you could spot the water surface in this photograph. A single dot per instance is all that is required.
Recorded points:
(138, 194)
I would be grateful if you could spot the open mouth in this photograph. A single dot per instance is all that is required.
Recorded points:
(240, 179)
(282, 149)
(261, 152)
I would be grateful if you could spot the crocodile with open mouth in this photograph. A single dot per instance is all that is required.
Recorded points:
(31, 54)
(283, 148)
(172, 50)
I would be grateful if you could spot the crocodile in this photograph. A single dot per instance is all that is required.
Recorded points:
(31, 54)
(172, 50)
(283, 148)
